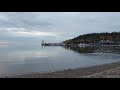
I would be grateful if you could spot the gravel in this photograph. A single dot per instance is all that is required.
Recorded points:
(99, 71)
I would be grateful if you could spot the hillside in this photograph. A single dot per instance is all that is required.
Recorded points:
(94, 38)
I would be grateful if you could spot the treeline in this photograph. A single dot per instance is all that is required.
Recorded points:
(95, 38)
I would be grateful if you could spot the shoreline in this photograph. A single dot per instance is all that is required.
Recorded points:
(111, 70)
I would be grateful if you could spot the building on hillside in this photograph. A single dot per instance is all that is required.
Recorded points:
(107, 42)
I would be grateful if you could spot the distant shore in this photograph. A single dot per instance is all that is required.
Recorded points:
(111, 70)
(79, 45)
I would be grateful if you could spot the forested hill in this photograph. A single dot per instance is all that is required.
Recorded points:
(95, 38)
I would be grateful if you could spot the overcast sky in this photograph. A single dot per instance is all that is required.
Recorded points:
(33, 27)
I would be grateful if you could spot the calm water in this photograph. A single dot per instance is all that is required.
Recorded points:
(15, 59)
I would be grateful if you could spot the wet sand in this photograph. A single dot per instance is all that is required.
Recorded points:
(99, 71)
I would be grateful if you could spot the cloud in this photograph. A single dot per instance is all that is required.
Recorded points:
(55, 26)
(35, 33)
(3, 18)
(27, 33)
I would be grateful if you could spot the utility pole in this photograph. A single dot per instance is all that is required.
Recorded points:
(42, 44)
(42, 41)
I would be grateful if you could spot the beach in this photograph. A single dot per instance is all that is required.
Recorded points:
(111, 70)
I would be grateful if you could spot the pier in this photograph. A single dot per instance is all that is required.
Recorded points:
(52, 44)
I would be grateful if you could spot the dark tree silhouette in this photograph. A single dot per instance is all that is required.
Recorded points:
(95, 38)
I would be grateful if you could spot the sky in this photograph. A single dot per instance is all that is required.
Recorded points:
(33, 27)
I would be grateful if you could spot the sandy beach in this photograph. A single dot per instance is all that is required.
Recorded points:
(99, 71)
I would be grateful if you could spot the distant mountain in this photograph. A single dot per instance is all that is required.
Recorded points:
(94, 38)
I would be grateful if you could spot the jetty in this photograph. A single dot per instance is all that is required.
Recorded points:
(52, 44)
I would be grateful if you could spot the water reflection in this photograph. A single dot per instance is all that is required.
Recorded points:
(25, 53)
(95, 49)
(3, 45)
(34, 58)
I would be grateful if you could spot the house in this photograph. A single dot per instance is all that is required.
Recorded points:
(116, 43)
(107, 42)
(83, 44)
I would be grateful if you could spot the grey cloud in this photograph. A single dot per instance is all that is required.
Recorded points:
(65, 24)
(23, 20)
